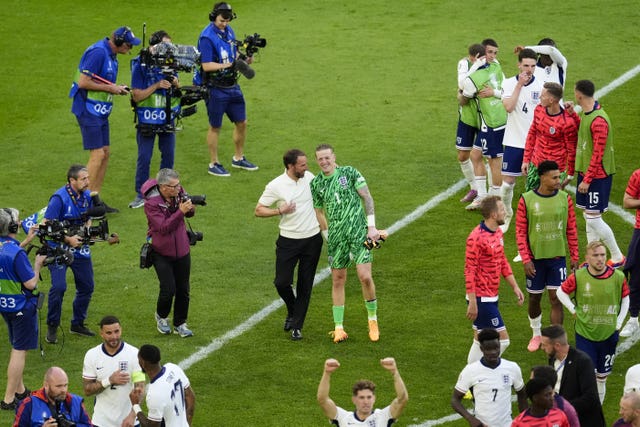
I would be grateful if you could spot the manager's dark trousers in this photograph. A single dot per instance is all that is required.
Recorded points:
(305, 253)
(632, 269)
(174, 284)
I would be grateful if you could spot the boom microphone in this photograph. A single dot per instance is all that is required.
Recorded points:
(244, 69)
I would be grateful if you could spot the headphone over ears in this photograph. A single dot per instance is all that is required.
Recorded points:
(13, 225)
(157, 37)
(120, 39)
(220, 8)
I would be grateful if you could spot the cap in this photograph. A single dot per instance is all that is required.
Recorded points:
(632, 379)
(127, 36)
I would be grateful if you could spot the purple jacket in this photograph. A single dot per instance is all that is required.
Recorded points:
(167, 229)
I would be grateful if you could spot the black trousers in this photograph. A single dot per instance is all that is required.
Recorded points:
(304, 253)
(632, 269)
(174, 284)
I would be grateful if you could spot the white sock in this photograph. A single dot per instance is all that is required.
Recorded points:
(475, 353)
(503, 345)
(467, 171)
(602, 388)
(506, 193)
(536, 325)
(494, 190)
(481, 186)
(602, 231)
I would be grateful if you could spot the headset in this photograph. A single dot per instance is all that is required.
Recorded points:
(120, 39)
(220, 8)
(13, 224)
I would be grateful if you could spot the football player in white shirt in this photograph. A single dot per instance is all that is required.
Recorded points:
(110, 371)
(364, 399)
(520, 95)
(170, 399)
(490, 379)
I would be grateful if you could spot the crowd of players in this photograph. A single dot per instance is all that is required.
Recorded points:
(525, 126)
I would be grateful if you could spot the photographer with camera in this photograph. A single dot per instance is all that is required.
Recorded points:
(219, 71)
(18, 304)
(152, 88)
(53, 405)
(166, 206)
(92, 92)
(71, 203)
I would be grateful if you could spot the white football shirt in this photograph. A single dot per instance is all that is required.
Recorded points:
(112, 404)
(379, 418)
(491, 390)
(519, 120)
(165, 397)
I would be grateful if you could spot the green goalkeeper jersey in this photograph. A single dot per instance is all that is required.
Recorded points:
(338, 195)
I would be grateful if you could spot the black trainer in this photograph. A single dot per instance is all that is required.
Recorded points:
(52, 334)
(80, 329)
(8, 406)
(23, 395)
(109, 209)
(296, 335)
(288, 323)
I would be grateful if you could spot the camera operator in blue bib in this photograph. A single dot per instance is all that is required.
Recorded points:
(18, 304)
(71, 203)
(151, 89)
(219, 52)
(92, 91)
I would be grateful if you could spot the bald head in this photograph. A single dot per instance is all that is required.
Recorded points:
(56, 384)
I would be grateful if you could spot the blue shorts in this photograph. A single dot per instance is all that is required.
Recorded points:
(602, 353)
(550, 273)
(23, 326)
(465, 135)
(490, 142)
(488, 316)
(596, 200)
(512, 161)
(94, 130)
(226, 101)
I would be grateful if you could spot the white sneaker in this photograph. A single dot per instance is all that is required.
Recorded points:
(630, 328)
(163, 325)
(517, 258)
(475, 204)
(183, 331)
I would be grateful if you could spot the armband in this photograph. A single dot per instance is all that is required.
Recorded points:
(570, 177)
(106, 383)
(371, 220)
(136, 409)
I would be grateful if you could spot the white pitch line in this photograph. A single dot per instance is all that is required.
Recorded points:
(259, 316)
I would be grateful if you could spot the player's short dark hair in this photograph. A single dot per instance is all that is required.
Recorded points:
(489, 205)
(554, 89)
(488, 334)
(547, 42)
(149, 353)
(158, 37)
(586, 87)
(490, 42)
(74, 171)
(546, 373)
(108, 320)
(535, 386)
(363, 385)
(291, 157)
(527, 54)
(546, 166)
(324, 147)
(555, 333)
(476, 49)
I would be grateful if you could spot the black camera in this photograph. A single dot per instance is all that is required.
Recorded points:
(194, 237)
(189, 95)
(252, 43)
(171, 57)
(196, 199)
(62, 421)
(55, 255)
